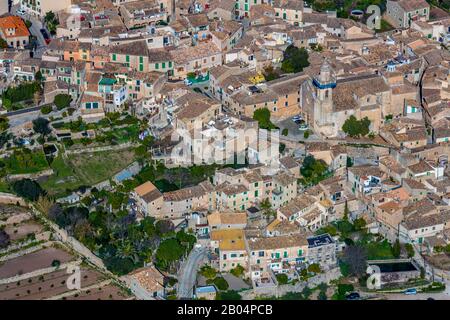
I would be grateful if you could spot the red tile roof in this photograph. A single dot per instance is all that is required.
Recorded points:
(13, 22)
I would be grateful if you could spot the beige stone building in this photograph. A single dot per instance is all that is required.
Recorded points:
(195, 59)
(142, 13)
(14, 31)
(230, 246)
(277, 253)
(149, 200)
(337, 100)
(402, 12)
(41, 7)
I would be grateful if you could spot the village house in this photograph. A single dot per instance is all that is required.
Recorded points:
(223, 220)
(142, 13)
(147, 283)
(280, 254)
(14, 31)
(230, 246)
(402, 12)
(196, 59)
(322, 250)
(149, 200)
(178, 203)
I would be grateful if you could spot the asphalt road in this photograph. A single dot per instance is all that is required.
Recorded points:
(419, 296)
(22, 111)
(188, 273)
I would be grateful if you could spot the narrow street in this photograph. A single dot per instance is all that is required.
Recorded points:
(188, 273)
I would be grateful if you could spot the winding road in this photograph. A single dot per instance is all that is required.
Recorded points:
(188, 273)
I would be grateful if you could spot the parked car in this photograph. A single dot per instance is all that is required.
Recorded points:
(46, 36)
(303, 126)
(20, 12)
(353, 296)
(297, 118)
(410, 291)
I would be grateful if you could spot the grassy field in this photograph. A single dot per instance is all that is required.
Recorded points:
(26, 161)
(4, 186)
(122, 135)
(379, 251)
(85, 169)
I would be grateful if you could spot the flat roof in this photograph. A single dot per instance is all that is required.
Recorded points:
(321, 240)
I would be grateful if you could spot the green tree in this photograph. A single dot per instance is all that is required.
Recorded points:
(46, 109)
(40, 125)
(356, 128)
(409, 250)
(315, 268)
(270, 73)
(266, 208)
(219, 282)
(263, 117)
(346, 212)
(349, 162)
(4, 123)
(38, 76)
(359, 224)
(306, 134)
(238, 271)
(285, 132)
(62, 101)
(28, 189)
(294, 59)
(208, 272)
(396, 249)
(23, 92)
(355, 257)
(343, 289)
(282, 278)
(312, 170)
(169, 251)
(52, 22)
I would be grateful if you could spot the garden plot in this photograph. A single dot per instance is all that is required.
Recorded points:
(46, 286)
(33, 261)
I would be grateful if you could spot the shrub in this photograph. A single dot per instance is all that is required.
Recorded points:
(46, 109)
(285, 132)
(315, 267)
(238, 271)
(56, 263)
(282, 278)
(62, 101)
(219, 282)
(23, 92)
(228, 295)
(306, 134)
(208, 272)
(294, 59)
(409, 250)
(263, 117)
(356, 128)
